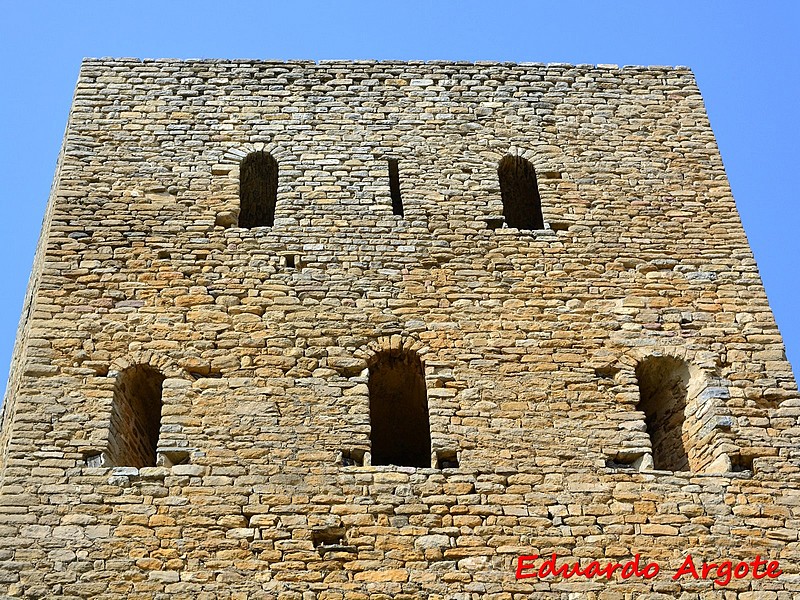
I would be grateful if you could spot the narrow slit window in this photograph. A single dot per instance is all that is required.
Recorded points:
(663, 384)
(394, 187)
(398, 409)
(135, 417)
(522, 206)
(258, 190)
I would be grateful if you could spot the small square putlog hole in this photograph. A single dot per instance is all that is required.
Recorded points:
(172, 457)
(560, 225)
(331, 539)
(625, 460)
(353, 457)
(95, 459)
(327, 536)
(742, 463)
(606, 371)
(494, 223)
(446, 459)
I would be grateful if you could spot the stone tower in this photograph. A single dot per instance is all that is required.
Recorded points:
(360, 330)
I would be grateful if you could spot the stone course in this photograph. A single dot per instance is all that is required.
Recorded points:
(529, 339)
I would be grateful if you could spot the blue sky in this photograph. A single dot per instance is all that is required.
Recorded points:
(744, 54)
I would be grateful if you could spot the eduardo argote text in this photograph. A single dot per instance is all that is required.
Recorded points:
(721, 573)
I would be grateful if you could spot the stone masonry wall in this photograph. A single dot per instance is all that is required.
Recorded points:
(529, 340)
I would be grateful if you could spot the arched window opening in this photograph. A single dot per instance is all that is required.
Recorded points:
(394, 187)
(135, 417)
(522, 207)
(663, 385)
(398, 410)
(258, 190)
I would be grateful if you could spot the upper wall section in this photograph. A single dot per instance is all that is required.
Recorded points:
(617, 152)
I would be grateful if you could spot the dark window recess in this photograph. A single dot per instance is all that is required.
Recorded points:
(135, 417)
(258, 190)
(289, 261)
(663, 382)
(398, 408)
(519, 191)
(394, 188)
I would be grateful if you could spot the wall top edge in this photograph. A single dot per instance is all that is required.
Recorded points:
(110, 61)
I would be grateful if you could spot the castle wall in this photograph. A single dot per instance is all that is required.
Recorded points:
(529, 340)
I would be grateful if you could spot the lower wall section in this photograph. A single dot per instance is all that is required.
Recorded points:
(196, 531)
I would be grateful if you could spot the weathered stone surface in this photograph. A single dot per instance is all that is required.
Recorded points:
(531, 342)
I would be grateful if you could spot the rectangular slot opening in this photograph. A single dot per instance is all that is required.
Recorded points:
(353, 457)
(95, 459)
(173, 457)
(494, 223)
(446, 459)
(394, 187)
(625, 460)
(741, 463)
